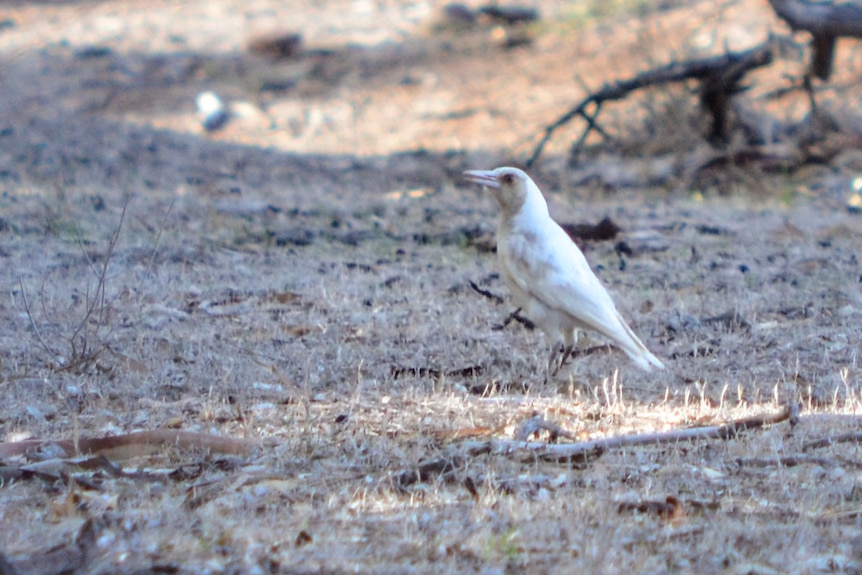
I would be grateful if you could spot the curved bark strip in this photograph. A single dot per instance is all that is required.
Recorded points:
(122, 447)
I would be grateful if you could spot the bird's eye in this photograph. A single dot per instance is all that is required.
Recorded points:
(508, 179)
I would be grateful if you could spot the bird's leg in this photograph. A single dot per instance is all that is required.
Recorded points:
(552, 368)
(565, 348)
(566, 351)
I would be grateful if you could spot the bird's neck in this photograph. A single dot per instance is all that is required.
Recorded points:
(533, 210)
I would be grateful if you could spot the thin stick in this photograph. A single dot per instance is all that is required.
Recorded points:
(486, 293)
(156, 246)
(852, 437)
(99, 299)
(33, 324)
(515, 315)
(592, 449)
(787, 461)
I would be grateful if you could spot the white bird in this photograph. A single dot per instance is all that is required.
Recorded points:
(548, 275)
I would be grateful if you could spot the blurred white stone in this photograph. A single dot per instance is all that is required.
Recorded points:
(211, 110)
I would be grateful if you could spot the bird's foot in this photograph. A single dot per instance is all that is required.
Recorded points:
(555, 364)
(566, 354)
(553, 368)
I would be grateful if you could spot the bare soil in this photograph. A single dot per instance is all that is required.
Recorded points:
(300, 281)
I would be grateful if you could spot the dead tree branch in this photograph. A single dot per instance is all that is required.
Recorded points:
(826, 21)
(720, 76)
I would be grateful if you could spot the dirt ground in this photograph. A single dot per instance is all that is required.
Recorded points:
(298, 283)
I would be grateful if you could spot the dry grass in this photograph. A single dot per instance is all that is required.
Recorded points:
(313, 298)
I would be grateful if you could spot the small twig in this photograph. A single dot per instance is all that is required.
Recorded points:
(583, 352)
(156, 245)
(492, 296)
(592, 125)
(515, 315)
(786, 461)
(98, 301)
(33, 324)
(81, 350)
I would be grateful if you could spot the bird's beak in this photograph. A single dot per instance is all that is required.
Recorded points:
(485, 178)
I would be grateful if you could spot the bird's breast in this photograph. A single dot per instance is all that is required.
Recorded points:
(522, 254)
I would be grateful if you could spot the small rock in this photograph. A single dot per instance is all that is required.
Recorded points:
(211, 110)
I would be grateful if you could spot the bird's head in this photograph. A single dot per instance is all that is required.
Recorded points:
(511, 186)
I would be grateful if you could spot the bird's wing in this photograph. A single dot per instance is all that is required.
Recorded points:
(550, 268)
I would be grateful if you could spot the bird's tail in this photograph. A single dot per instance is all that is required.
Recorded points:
(635, 349)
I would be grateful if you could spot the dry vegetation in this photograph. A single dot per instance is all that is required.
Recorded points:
(284, 306)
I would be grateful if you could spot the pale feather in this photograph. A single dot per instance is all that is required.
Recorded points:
(554, 271)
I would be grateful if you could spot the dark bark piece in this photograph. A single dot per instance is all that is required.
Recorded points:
(823, 47)
(510, 14)
(606, 229)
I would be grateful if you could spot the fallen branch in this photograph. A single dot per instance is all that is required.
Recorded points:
(591, 449)
(853, 437)
(721, 76)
